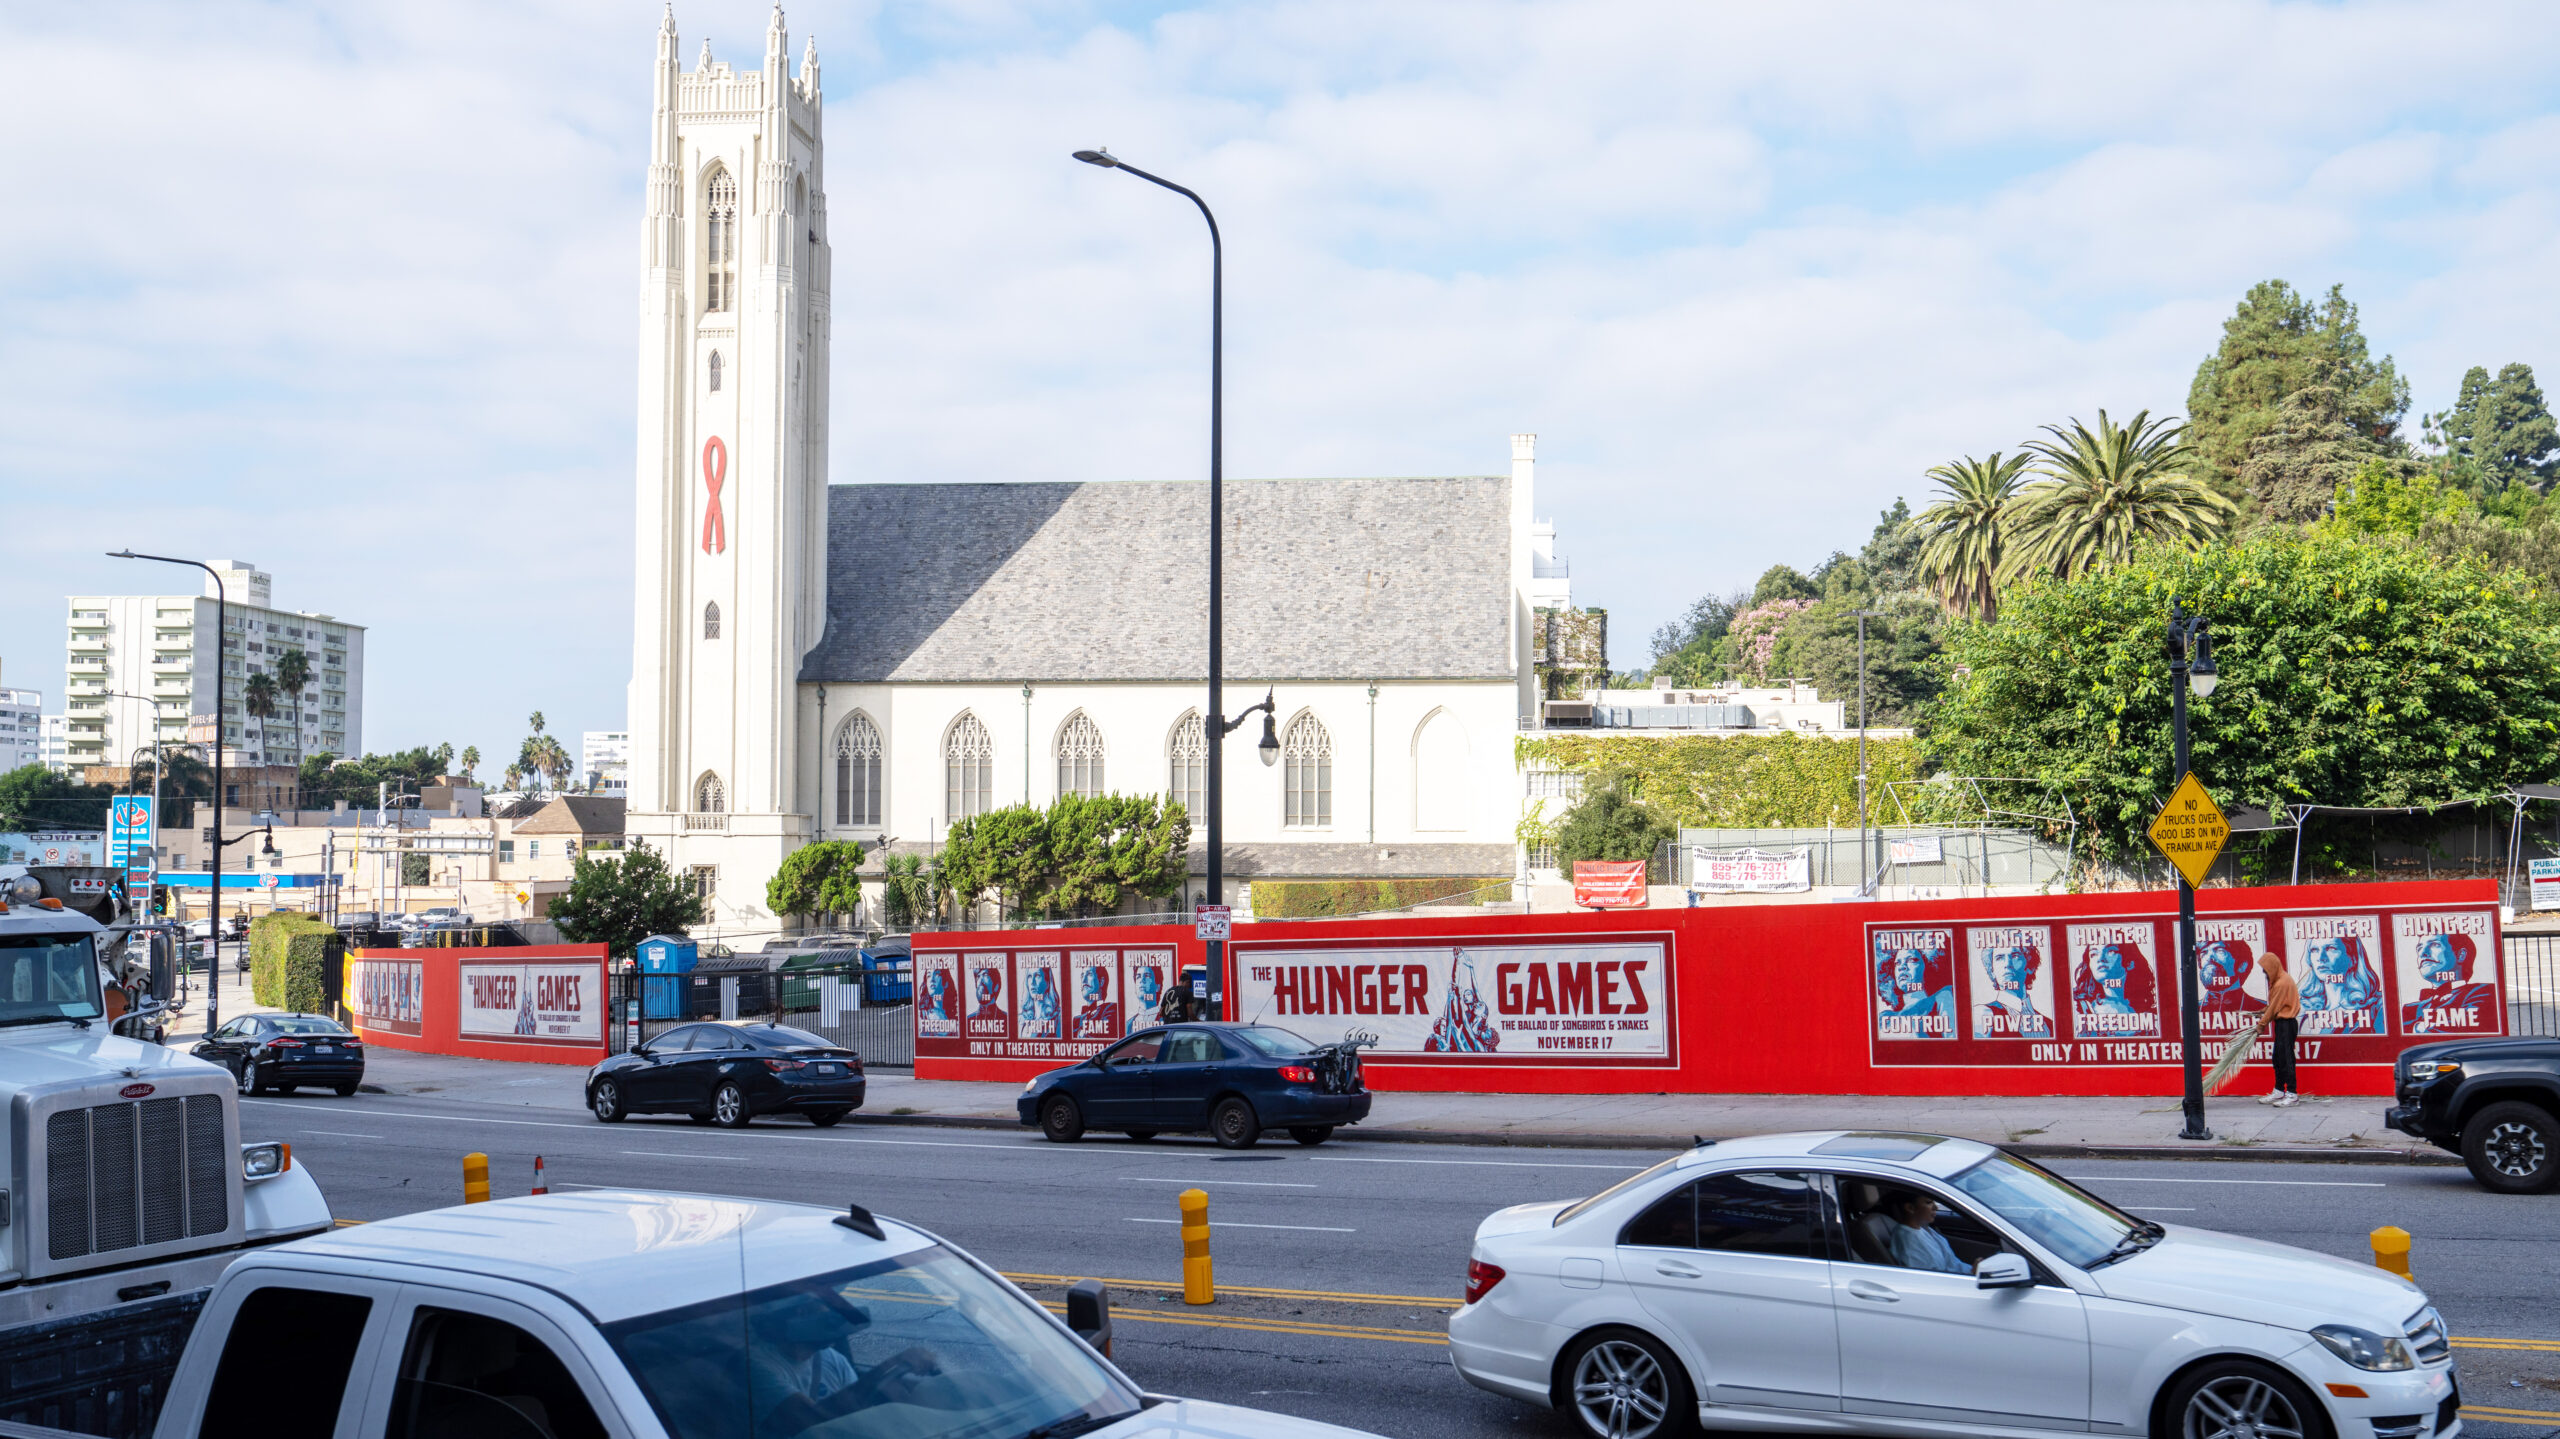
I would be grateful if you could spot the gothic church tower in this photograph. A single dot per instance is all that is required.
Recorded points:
(731, 581)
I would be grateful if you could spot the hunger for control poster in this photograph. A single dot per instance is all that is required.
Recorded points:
(1495, 1000)
(2069, 991)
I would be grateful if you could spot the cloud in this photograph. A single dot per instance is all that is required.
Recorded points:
(349, 289)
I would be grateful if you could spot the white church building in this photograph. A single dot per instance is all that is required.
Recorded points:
(875, 661)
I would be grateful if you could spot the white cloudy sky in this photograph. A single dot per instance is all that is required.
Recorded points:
(348, 289)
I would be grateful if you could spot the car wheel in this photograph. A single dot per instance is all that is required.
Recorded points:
(729, 1107)
(2513, 1148)
(606, 1101)
(1620, 1384)
(825, 1118)
(1234, 1125)
(2243, 1399)
(1142, 1135)
(1311, 1133)
(346, 1091)
(1061, 1122)
(257, 1078)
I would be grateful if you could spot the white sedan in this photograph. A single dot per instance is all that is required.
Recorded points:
(1908, 1284)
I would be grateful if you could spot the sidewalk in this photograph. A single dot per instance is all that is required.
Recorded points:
(2347, 1129)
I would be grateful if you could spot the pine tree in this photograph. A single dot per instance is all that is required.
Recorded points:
(2276, 343)
(2499, 432)
(2312, 448)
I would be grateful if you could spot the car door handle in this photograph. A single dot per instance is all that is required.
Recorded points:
(1676, 1269)
(1877, 1292)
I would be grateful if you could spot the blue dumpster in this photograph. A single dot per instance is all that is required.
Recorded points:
(664, 960)
(888, 976)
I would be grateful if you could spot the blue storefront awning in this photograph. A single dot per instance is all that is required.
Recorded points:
(258, 879)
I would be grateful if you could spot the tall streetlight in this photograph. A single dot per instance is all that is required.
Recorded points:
(1867, 867)
(213, 910)
(1217, 725)
(2190, 650)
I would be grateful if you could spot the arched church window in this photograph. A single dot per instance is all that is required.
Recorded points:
(1306, 774)
(1080, 756)
(1442, 798)
(709, 797)
(1188, 768)
(715, 369)
(711, 620)
(858, 771)
(720, 240)
(968, 768)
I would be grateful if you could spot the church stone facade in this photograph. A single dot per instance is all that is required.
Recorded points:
(874, 661)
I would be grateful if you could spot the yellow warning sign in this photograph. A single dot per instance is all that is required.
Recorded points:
(2191, 830)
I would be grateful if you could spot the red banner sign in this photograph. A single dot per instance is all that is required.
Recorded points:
(1609, 884)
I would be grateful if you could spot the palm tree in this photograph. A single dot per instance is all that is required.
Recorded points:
(2109, 491)
(260, 700)
(470, 761)
(552, 760)
(1964, 537)
(292, 673)
(515, 778)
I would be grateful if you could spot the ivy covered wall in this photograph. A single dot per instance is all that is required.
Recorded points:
(1704, 781)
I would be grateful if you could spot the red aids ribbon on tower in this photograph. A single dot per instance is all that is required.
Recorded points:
(715, 471)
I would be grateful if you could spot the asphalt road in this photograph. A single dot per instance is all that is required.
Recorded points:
(1346, 1228)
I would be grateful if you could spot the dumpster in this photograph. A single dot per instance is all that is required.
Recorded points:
(664, 961)
(888, 976)
(799, 974)
(754, 985)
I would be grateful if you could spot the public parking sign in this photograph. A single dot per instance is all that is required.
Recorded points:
(1214, 921)
(2546, 883)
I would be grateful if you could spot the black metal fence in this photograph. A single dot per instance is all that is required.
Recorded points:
(883, 1033)
(2533, 984)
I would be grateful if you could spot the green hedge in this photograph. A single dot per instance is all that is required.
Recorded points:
(290, 956)
(1706, 781)
(1342, 898)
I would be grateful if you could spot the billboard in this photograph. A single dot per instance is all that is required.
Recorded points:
(2054, 990)
(937, 979)
(1035, 978)
(1093, 987)
(559, 1001)
(1532, 1000)
(1043, 1003)
(389, 995)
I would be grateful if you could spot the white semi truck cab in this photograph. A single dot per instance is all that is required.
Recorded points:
(126, 1176)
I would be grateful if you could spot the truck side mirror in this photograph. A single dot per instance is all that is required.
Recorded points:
(1089, 1314)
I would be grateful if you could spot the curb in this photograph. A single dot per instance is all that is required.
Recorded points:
(1529, 1139)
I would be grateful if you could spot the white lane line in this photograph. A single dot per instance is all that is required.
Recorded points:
(1496, 1163)
(1229, 1183)
(666, 1154)
(341, 1134)
(1231, 1224)
(2168, 1209)
(2296, 1183)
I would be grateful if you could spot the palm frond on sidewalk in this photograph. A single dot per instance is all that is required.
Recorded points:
(2235, 1056)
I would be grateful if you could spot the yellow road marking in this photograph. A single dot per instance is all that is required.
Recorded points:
(1272, 1326)
(2547, 1346)
(1170, 1286)
(2480, 1411)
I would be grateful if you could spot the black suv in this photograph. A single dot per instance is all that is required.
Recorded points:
(2495, 1102)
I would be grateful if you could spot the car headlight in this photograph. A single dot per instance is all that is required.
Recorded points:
(2423, 1070)
(265, 1161)
(2363, 1348)
(1029, 1085)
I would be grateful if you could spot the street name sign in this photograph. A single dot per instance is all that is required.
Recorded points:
(2191, 830)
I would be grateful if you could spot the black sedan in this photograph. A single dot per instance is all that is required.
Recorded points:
(285, 1052)
(727, 1074)
(1233, 1080)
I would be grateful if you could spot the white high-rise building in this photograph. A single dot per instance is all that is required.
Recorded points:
(57, 741)
(604, 758)
(21, 728)
(141, 667)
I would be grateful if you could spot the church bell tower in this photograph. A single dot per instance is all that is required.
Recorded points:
(731, 580)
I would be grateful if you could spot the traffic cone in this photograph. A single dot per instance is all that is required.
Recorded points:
(538, 1186)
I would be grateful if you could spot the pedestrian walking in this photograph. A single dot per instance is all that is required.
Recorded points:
(2283, 1019)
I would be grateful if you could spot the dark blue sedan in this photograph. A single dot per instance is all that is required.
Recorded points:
(1233, 1080)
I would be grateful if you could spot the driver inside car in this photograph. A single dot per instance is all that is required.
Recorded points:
(1915, 1243)
(804, 1334)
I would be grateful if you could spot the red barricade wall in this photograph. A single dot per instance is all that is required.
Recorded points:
(1770, 999)
(418, 999)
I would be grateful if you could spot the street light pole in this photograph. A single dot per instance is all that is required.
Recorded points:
(1866, 855)
(2190, 650)
(213, 907)
(1217, 726)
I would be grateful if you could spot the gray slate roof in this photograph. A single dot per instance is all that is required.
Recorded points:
(1325, 579)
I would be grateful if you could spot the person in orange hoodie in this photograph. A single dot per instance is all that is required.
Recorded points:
(2284, 1021)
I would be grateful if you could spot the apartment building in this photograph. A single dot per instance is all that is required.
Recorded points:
(604, 758)
(21, 728)
(142, 667)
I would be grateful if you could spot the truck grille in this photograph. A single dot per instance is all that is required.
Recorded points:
(118, 1176)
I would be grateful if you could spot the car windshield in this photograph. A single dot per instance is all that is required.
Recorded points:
(2054, 1212)
(922, 1346)
(304, 1024)
(783, 1036)
(1270, 1039)
(1621, 1187)
(47, 977)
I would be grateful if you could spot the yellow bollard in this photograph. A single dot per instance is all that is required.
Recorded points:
(1198, 1287)
(2391, 1249)
(475, 1179)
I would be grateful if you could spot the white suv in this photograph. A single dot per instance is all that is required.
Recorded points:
(1909, 1284)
